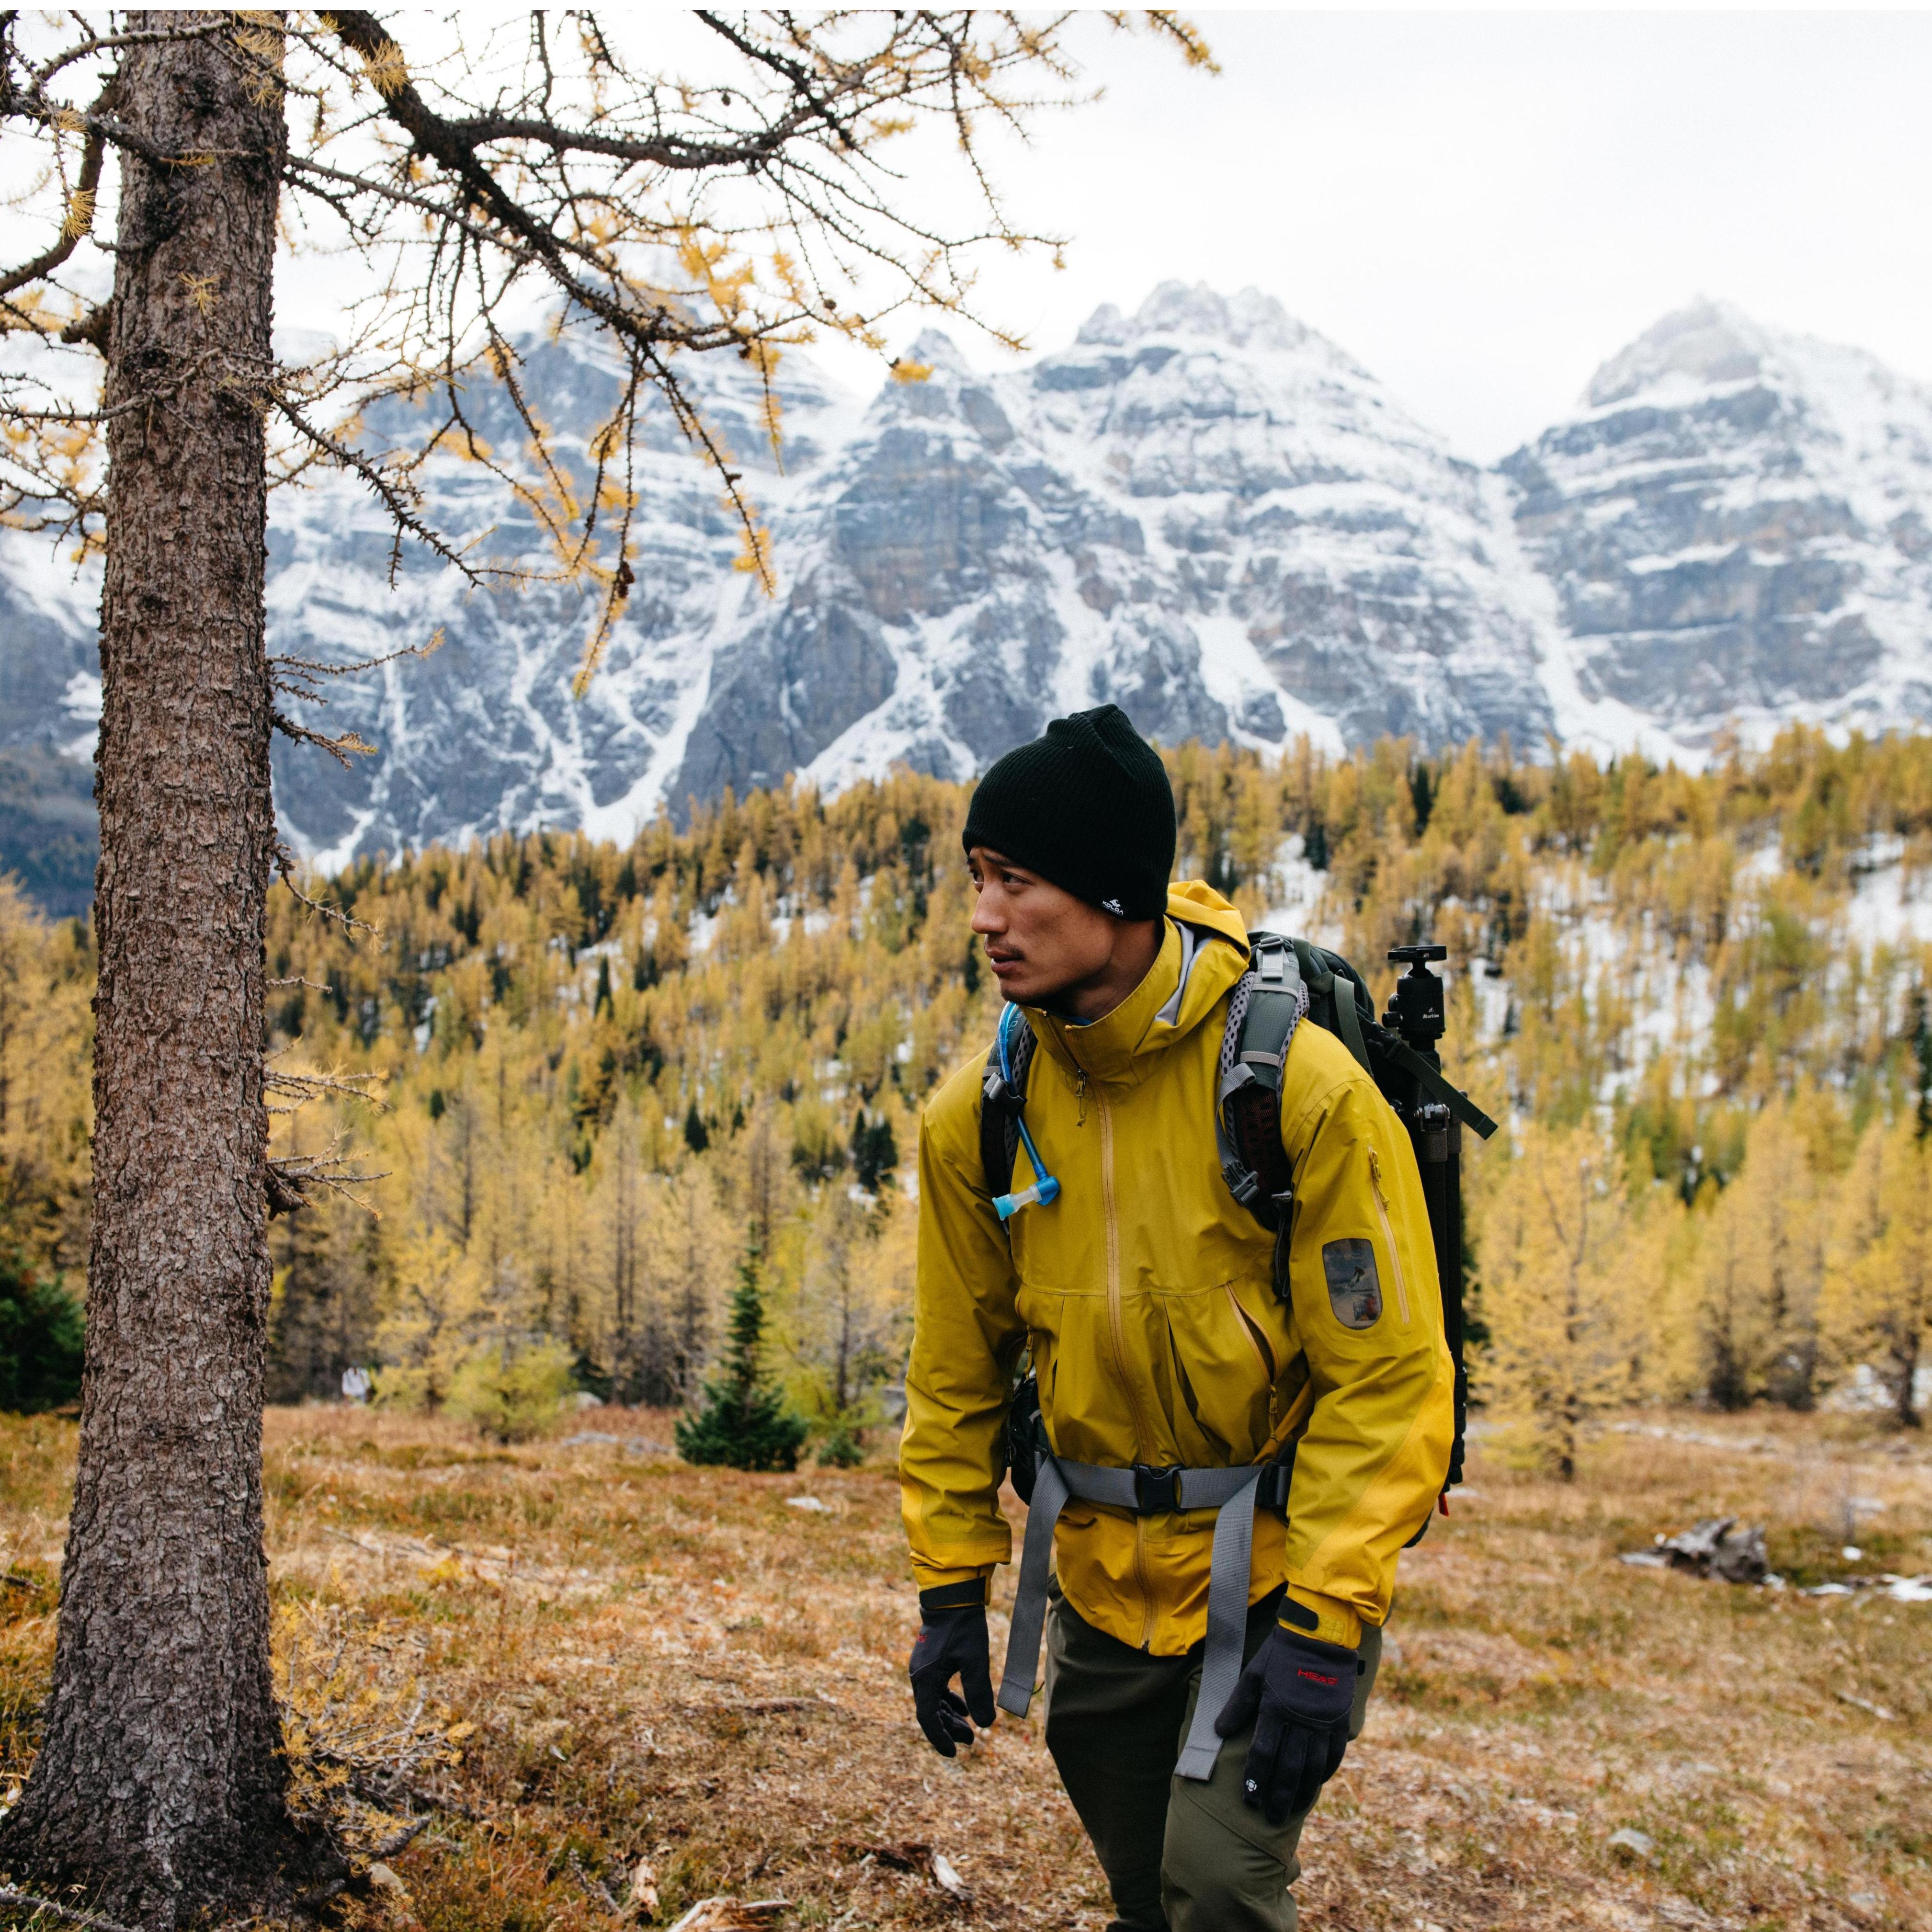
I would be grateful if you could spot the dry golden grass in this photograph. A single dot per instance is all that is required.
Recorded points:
(675, 1667)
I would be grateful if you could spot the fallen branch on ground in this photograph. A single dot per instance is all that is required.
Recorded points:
(71, 1915)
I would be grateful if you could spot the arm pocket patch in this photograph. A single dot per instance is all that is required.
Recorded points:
(1354, 1288)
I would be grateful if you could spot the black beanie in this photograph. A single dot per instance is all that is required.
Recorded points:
(1087, 807)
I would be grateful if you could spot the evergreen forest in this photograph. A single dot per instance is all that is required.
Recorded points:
(544, 1097)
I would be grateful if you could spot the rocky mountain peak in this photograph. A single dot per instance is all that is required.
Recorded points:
(1707, 342)
(937, 350)
(1250, 318)
(1840, 402)
(1173, 308)
(1106, 326)
(1735, 527)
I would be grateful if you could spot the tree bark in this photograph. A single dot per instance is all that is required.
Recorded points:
(160, 1786)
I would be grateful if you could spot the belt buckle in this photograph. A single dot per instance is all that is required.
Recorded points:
(1157, 1491)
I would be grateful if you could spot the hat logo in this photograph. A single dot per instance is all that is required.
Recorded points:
(1114, 907)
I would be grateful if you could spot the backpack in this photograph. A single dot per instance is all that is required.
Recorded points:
(1287, 980)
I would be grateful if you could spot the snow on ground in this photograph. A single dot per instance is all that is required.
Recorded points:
(1669, 994)
(1889, 906)
(1301, 903)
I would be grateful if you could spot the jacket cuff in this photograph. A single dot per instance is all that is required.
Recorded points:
(932, 1577)
(969, 1595)
(1327, 1619)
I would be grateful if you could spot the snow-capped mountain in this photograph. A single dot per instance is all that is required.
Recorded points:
(1207, 512)
(1736, 524)
(485, 734)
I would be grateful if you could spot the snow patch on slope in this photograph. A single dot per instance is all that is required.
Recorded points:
(1204, 511)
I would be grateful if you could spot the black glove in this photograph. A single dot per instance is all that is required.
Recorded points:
(1297, 1694)
(951, 1639)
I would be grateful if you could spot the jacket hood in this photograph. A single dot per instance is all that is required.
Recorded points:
(1195, 902)
(1204, 953)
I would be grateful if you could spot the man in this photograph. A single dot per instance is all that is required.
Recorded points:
(1146, 1297)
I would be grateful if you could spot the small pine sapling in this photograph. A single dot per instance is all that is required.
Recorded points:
(844, 1444)
(741, 1421)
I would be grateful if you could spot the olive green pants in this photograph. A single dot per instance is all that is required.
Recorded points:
(1179, 1856)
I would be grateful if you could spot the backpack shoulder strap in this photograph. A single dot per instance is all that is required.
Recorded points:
(1267, 1006)
(1002, 1097)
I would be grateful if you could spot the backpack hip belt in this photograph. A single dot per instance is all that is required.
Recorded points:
(1234, 1494)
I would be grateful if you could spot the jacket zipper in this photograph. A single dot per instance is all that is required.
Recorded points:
(1388, 1234)
(1116, 1322)
(1141, 1582)
(1256, 1340)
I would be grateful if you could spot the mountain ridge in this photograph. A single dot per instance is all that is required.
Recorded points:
(1756, 498)
(1205, 510)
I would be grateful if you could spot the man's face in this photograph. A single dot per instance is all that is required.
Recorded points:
(1042, 941)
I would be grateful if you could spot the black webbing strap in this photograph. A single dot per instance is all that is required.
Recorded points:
(1267, 1006)
(1458, 1103)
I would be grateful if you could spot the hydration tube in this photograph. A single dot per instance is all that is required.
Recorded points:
(1045, 1189)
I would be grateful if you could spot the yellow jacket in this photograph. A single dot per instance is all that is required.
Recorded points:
(1146, 1293)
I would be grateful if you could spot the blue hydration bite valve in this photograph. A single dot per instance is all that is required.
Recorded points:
(1010, 1204)
(1045, 1188)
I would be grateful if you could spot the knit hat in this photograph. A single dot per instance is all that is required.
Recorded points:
(1087, 807)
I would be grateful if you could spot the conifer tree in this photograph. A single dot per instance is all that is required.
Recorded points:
(741, 1421)
(1568, 1272)
(1879, 1292)
(472, 174)
(875, 1152)
(40, 1339)
(1753, 1298)
(1921, 1055)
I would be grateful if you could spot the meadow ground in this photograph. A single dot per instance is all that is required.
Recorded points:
(577, 1658)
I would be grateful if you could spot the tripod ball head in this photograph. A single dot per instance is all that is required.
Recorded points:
(1415, 1007)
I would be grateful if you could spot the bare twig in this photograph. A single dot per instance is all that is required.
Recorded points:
(300, 677)
(285, 870)
(79, 219)
(288, 1178)
(598, 1891)
(403, 513)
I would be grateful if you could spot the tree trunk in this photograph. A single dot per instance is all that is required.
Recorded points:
(159, 1787)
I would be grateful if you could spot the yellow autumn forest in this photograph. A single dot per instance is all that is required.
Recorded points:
(594, 1074)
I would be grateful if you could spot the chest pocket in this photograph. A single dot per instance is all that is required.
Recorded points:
(1222, 1369)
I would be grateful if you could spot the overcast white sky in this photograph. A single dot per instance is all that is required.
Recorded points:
(1482, 207)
